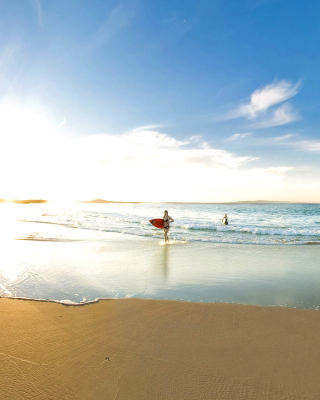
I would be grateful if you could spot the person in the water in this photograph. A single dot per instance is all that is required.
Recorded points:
(166, 225)
(225, 219)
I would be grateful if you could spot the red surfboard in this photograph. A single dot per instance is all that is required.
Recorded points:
(158, 223)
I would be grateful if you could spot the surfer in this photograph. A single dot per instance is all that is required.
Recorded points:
(225, 219)
(166, 225)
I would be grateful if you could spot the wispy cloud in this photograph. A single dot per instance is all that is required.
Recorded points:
(292, 140)
(38, 7)
(281, 116)
(148, 136)
(261, 100)
(118, 19)
(195, 138)
(10, 66)
(132, 165)
(161, 149)
(307, 145)
(237, 136)
(142, 156)
(6, 59)
(279, 170)
(284, 138)
(148, 128)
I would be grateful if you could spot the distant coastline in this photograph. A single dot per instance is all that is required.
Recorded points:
(102, 201)
(29, 201)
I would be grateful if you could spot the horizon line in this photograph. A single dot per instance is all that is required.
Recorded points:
(102, 201)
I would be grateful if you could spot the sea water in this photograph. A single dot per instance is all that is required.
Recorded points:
(267, 255)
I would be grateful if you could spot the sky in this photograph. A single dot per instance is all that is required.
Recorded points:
(192, 101)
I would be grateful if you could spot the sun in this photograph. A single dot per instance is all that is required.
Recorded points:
(26, 141)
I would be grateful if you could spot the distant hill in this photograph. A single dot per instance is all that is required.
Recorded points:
(101, 201)
(30, 201)
(262, 202)
(241, 202)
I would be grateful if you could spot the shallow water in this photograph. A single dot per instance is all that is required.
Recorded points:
(72, 254)
(248, 223)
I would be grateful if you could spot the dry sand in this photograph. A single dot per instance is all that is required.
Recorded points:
(149, 349)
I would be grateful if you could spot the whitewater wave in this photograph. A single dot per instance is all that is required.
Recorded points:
(197, 227)
(202, 227)
(252, 230)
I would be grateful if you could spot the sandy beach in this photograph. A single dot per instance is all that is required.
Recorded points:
(150, 349)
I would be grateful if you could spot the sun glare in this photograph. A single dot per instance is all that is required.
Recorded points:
(38, 162)
(27, 142)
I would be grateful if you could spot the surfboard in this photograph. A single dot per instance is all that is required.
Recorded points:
(158, 223)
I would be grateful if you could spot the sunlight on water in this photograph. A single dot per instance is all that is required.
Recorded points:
(111, 250)
(248, 224)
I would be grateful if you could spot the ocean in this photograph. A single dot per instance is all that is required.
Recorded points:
(79, 252)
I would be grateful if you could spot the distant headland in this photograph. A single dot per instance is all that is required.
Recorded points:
(102, 201)
(29, 201)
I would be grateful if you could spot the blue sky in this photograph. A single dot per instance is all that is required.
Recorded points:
(220, 96)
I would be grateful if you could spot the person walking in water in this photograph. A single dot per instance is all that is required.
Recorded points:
(225, 219)
(166, 225)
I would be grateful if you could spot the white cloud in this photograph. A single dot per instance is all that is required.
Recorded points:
(284, 137)
(281, 116)
(307, 145)
(195, 138)
(237, 136)
(257, 110)
(147, 136)
(158, 149)
(279, 170)
(310, 145)
(147, 128)
(262, 99)
(140, 165)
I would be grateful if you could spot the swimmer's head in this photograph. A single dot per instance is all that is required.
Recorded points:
(165, 212)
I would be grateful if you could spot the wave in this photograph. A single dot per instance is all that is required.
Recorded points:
(189, 231)
(69, 225)
(253, 230)
(45, 239)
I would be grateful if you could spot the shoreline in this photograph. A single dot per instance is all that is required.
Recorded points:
(157, 349)
(86, 271)
(70, 303)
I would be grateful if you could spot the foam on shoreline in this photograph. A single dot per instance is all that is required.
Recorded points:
(63, 302)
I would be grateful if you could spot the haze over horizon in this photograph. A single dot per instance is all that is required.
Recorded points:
(161, 101)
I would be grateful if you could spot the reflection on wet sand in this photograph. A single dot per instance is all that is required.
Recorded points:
(165, 263)
(140, 267)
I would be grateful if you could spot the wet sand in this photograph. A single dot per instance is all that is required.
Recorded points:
(151, 349)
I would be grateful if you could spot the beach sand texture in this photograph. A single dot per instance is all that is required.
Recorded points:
(151, 349)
